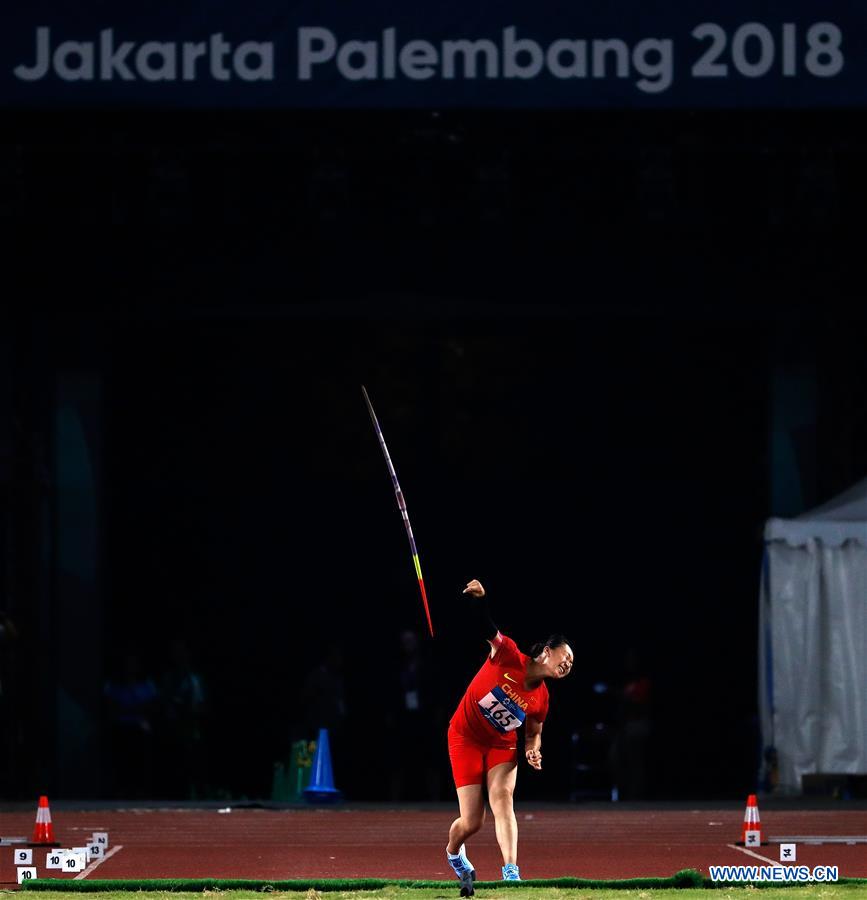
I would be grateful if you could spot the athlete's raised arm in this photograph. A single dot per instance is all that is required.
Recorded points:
(480, 616)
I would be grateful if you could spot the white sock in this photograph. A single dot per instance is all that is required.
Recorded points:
(461, 855)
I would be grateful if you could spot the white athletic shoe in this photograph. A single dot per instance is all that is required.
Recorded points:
(464, 870)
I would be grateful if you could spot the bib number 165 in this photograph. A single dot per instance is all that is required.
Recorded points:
(496, 710)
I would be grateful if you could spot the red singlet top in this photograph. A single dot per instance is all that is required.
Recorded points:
(496, 703)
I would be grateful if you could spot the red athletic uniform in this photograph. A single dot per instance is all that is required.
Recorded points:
(483, 730)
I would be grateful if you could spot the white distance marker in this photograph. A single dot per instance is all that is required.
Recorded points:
(101, 838)
(54, 859)
(25, 873)
(94, 851)
(788, 852)
(24, 857)
(753, 839)
(73, 862)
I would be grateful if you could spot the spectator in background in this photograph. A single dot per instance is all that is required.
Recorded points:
(131, 699)
(182, 708)
(414, 723)
(323, 697)
(631, 744)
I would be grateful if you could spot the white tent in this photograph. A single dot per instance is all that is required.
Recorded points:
(813, 640)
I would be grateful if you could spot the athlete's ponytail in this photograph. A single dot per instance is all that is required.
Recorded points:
(554, 641)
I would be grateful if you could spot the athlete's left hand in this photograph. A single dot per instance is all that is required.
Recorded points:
(534, 758)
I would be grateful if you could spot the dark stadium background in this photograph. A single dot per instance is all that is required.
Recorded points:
(580, 332)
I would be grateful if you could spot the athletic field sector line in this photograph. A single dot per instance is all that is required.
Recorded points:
(98, 862)
(401, 504)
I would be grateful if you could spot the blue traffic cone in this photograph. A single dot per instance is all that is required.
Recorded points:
(321, 788)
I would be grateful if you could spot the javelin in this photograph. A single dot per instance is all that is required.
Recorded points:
(401, 503)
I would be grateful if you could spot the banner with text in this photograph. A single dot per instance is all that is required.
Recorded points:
(378, 54)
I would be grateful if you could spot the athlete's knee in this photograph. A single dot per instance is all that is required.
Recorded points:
(473, 821)
(501, 796)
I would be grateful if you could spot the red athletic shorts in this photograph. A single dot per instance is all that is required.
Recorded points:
(472, 761)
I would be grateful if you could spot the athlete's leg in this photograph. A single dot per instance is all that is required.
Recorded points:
(468, 769)
(471, 818)
(501, 790)
(472, 807)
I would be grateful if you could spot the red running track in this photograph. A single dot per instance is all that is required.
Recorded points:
(409, 843)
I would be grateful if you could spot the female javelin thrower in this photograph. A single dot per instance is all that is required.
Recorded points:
(508, 691)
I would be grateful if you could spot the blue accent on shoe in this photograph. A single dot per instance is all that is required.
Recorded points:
(511, 872)
(467, 877)
(459, 860)
(464, 870)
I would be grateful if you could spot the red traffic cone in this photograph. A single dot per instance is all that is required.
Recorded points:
(43, 830)
(751, 833)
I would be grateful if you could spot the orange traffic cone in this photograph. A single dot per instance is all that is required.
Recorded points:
(751, 833)
(43, 830)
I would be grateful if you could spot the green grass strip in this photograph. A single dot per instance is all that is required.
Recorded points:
(688, 878)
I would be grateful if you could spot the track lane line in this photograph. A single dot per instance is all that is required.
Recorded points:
(767, 859)
(98, 862)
